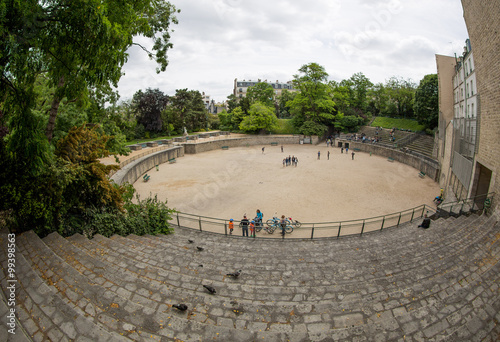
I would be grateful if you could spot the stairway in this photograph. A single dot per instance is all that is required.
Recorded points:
(406, 283)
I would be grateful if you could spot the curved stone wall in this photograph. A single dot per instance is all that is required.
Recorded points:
(264, 140)
(131, 172)
(420, 163)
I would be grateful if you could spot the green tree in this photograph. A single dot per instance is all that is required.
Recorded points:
(262, 92)
(232, 102)
(313, 108)
(283, 99)
(78, 44)
(401, 93)
(261, 118)
(149, 105)
(360, 86)
(426, 104)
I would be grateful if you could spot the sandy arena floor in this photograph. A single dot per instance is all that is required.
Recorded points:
(230, 183)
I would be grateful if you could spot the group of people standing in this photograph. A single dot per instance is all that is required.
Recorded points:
(290, 161)
(247, 224)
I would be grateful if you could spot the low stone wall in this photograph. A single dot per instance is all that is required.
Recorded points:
(427, 165)
(131, 172)
(264, 140)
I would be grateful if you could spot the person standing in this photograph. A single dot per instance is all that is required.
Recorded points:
(341, 150)
(283, 225)
(281, 148)
(352, 155)
(231, 226)
(244, 225)
(263, 150)
(319, 155)
(252, 228)
(328, 155)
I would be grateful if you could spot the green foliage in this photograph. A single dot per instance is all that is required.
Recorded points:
(285, 126)
(405, 124)
(262, 92)
(186, 110)
(149, 216)
(225, 120)
(351, 123)
(426, 104)
(237, 117)
(313, 108)
(149, 105)
(261, 118)
(283, 109)
(313, 128)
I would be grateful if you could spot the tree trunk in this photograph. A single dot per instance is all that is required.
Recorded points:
(53, 111)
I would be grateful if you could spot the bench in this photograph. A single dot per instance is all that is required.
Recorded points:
(356, 149)
(390, 159)
(225, 147)
(421, 174)
(274, 144)
(146, 177)
(172, 160)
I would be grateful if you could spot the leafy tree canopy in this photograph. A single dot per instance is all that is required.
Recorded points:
(262, 92)
(260, 118)
(426, 105)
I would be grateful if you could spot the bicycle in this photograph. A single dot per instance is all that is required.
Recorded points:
(275, 223)
(295, 223)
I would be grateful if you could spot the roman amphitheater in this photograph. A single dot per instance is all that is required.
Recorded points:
(359, 269)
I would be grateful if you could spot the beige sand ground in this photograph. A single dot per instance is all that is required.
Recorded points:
(228, 184)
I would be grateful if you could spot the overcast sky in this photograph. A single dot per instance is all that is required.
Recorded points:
(217, 41)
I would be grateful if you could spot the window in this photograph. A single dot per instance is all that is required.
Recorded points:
(471, 88)
(472, 110)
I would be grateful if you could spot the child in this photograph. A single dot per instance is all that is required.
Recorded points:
(231, 226)
(252, 228)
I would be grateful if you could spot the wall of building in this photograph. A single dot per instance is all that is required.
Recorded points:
(483, 25)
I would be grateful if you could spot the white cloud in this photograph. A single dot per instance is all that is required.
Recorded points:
(217, 41)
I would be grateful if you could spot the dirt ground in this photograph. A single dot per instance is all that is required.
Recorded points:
(231, 183)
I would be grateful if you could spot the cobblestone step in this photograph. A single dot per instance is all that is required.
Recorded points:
(403, 284)
(43, 314)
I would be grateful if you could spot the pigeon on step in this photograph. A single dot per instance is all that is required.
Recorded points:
(210, 289)
(199, 248)
(190, 241)
(182, 307)
(235, 274)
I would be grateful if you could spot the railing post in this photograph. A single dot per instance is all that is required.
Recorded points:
(423, 209)
(340, 227)
(225, 228)
(399, 219)
(178, 224)
(383, 221)
(312, 232)
(412, 214)
(362, 228)
(199, 221)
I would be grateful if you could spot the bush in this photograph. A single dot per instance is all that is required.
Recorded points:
(149, 216)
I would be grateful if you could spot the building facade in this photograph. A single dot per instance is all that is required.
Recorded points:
(469, 141)
(241, 87)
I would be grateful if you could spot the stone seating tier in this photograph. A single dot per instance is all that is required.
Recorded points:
(403, 283)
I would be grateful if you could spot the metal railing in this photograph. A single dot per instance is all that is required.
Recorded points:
(335, 229)
(468, 205)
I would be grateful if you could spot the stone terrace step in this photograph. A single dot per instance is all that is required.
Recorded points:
(400, 284)
(43, 314)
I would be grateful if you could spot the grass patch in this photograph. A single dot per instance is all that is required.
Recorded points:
(285, 126)
(406, 124)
